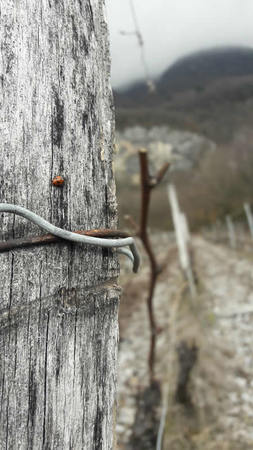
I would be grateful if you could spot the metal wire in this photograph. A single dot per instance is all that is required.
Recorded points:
(140, 40)
(74, 237)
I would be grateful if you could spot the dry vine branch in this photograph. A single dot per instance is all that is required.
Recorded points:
(148, 183)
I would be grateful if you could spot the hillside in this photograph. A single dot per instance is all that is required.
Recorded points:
(209, 92)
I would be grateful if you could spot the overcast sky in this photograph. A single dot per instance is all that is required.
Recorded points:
(173, 28)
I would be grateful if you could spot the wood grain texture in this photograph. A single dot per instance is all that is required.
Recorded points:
(58, 303)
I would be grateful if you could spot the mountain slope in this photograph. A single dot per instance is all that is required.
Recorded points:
(209, 92)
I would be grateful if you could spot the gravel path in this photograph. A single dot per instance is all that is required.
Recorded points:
(227, 279)
(133, 375)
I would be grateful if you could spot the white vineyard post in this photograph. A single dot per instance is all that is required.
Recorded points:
(182, 238)
(249, 216)
(186, 230)
(231, 232)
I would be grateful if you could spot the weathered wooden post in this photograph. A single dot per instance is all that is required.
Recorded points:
(58, 302)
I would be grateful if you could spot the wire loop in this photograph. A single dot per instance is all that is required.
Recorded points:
(133, 254)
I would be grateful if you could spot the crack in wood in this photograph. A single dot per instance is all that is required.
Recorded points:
(66, 300)
(45, 385)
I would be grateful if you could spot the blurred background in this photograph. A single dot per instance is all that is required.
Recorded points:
(182, 77)
(182, 74)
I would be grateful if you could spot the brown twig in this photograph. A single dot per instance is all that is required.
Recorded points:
(147, 184)
(160, 174)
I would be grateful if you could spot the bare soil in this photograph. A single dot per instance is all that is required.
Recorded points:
(218, 323)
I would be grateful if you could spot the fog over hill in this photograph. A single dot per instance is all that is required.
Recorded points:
(202, 67)
(209, 92)
(205, 66)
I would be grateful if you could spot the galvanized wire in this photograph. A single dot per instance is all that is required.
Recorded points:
(74, 237)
